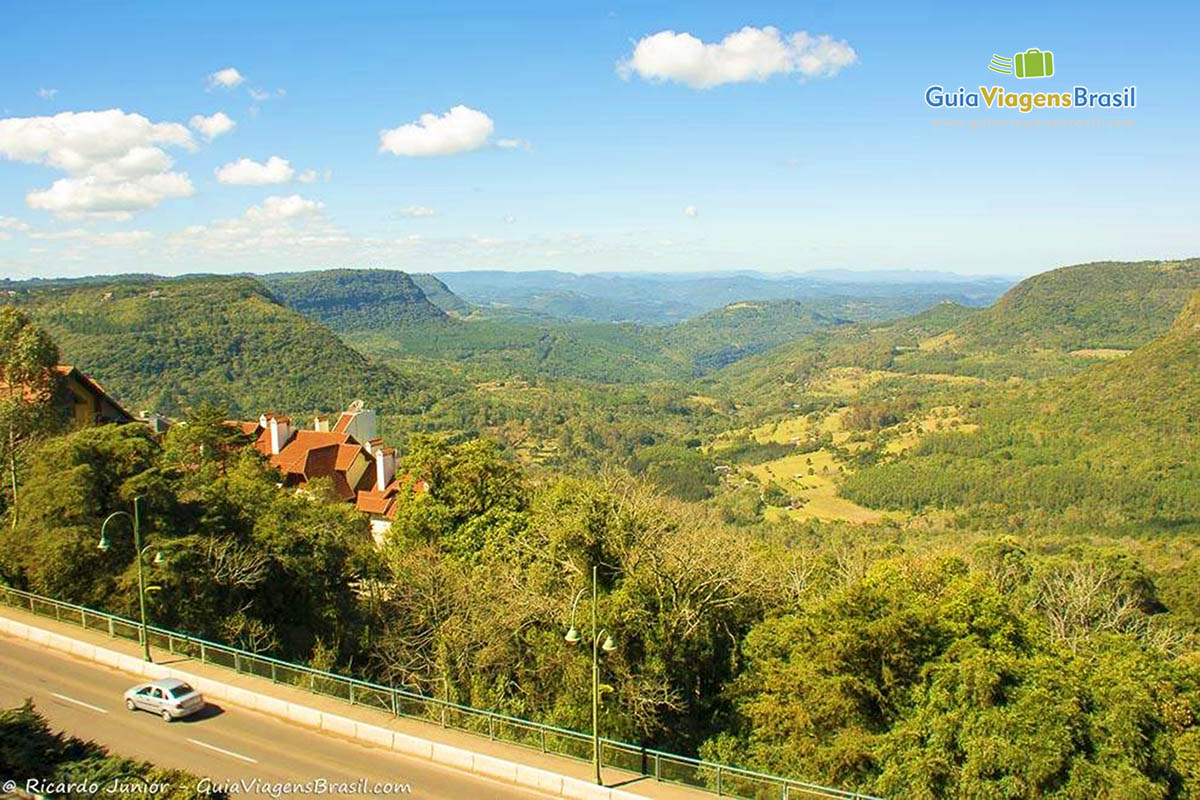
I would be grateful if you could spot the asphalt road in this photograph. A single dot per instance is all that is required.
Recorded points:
(225, 744)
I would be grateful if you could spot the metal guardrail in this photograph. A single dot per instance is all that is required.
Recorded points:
(723, 780)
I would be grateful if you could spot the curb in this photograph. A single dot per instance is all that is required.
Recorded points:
(465, 760)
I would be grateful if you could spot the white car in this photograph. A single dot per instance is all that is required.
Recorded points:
(169, 698)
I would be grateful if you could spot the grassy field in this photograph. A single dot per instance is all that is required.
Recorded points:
(813, 478)
(940, 418)
(810, 477)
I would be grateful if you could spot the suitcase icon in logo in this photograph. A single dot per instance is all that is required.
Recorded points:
(1034, 63)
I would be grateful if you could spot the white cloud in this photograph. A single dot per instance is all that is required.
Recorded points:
(276, 208)
(72, 198)
(245, 172)
(280, 227)
(508, 219)
(113, 159)
(212, 127)
(262, 95)
(225, 78)
(47, 94)
(13, 224)
(458, 130)
(690, 211)
(751, 54)
(514, 144)
(96, 238)
(78, 141)
(312, 176)
(416, 211)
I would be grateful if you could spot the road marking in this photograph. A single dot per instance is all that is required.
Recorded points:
(79, 702)
(223, 751)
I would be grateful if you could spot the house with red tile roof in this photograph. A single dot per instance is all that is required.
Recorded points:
(324, 454)
(79, 398)
(348, 452)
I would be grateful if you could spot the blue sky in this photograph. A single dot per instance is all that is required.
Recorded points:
(832, 163)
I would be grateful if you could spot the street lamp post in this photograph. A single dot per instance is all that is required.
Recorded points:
(137, 543)
(608, 646)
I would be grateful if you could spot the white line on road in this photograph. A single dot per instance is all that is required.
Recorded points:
(223, 751)
(79, 702)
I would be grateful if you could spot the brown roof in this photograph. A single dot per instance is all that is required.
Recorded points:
(263, 443)
(319, 454)
(294, 455)
(68, 371)
(346, 455)
(249, 427)
(373, 502)
(384, 503)
(319, 461)
(343, 422)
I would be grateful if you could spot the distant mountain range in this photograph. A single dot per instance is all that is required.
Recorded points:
(666, 298)
(281, 339)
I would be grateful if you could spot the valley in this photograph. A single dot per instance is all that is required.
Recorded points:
(846, 504)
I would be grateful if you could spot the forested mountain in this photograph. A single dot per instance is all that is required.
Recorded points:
(667, 298)
(170, 344)
(1116, 442)
(440, 295)
(385, 312)
(355, 299)
(1088, 306)
(729, 334)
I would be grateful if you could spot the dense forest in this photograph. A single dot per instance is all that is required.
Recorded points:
(876, 553)
(167, 345)
(349, 300)
(1118, 441)
(1101, 305)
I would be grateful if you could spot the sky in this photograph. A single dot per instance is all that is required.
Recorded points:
(237, 137)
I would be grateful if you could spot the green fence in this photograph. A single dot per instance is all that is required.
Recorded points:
(723, 780)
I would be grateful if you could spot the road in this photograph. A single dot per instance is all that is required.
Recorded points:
(225, 744)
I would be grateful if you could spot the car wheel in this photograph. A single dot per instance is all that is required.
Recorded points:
(130, 705)
(166, 715)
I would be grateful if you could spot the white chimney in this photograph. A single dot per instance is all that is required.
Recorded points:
(385, 467)
(276, 445)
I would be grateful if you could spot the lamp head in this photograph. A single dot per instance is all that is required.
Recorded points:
(103, 545)
(572, 636)
(609, 645)
(159, 558)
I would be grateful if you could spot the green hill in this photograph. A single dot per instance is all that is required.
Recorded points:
(718, 338)
(355, 299)
(440, 295)
(933, 321)
(169, 344)
(1102, 305)
(1115, 442)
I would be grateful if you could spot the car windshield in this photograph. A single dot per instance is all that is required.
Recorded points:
(181, 690)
